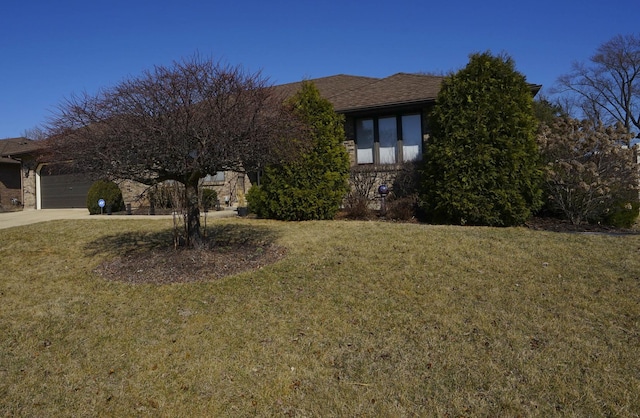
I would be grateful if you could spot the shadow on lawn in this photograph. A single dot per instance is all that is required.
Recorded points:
(150, 258)
(217, 237)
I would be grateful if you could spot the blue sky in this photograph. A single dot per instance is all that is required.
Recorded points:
(52, 49)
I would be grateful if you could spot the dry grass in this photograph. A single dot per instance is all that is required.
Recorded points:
(360, 319)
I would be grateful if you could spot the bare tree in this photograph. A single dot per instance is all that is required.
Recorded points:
(36, 133)
(178, 122)
(607, 88)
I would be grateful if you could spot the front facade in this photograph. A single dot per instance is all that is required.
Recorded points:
(385, 125)
(385, 118)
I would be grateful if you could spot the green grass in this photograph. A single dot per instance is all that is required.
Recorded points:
(360, 319)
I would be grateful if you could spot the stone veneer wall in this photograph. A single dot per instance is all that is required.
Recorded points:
(229, 188)
(136, 194)
(29, 196)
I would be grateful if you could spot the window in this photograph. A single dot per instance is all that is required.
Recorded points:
(364, 133)
(388, 136)
(389, 139)
(411, 137)
(217, 178)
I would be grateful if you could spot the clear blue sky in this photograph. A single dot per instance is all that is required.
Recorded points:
(50, 49)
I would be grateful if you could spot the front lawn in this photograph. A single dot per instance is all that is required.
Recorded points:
(357, 319)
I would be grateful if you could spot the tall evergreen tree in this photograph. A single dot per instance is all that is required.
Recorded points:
(313, 186)
(481, 161)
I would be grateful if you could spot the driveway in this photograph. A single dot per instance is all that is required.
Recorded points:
(26, 217)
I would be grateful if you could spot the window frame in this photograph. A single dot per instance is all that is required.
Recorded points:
(399, 145)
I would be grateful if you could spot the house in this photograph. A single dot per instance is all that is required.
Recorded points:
(385, 118)
(25, 183)
(386, 122)
(17, 180)
(385, 126)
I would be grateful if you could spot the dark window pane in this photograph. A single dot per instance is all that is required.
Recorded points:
(411, 137)
(388, 140)
(364, 139)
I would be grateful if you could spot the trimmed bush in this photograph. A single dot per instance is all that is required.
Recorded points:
(313, 186)
(481, 161)
(256, 199)
(107, 190)
(209, 199)
(623, 215)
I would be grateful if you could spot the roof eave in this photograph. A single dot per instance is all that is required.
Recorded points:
(387, 106)
(9, 160)
(535, 88)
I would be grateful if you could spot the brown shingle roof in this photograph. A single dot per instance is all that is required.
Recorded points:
(329, 87)
(398, 89)
(351, 93)
(18, 146)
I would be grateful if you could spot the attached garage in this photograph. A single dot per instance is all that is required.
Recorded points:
(61, 190)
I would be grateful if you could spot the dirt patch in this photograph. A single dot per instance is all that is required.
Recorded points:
(558, 225)
(169, 265)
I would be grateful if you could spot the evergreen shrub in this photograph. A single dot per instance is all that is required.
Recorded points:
(313, 186)
(107, 190)
(209, 199)
(480, 164)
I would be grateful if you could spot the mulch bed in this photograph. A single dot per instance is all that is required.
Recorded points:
(183, 265)
(558, 225)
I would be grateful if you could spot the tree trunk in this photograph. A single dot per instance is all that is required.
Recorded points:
(192, 222)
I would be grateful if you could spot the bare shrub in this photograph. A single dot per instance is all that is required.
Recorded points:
(167, 195)
(588, 172)
(363, 181)
(403, 208)
(406, 181)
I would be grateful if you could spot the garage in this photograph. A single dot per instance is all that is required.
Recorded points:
(62, 190)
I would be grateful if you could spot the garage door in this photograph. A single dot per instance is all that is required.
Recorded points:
(60, 191)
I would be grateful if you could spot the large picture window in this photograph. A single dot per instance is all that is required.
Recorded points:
(389, 139)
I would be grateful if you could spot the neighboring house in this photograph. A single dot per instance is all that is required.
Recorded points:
(385, 125)
(25, 183)
(17, 179)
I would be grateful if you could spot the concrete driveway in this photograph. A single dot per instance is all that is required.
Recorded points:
(26, 217)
